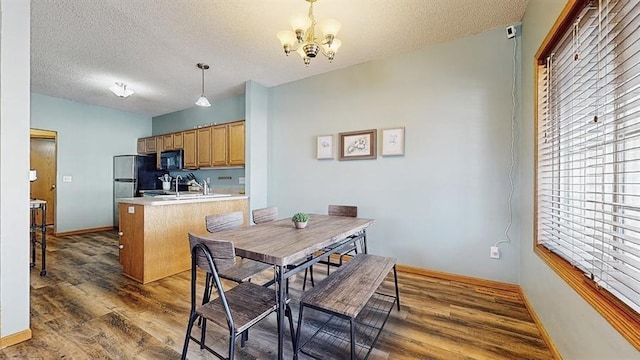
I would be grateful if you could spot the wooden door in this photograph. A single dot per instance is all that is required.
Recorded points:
(204, 147)
(219, 145)
(43, 160)
(236, 143)
(189, 146)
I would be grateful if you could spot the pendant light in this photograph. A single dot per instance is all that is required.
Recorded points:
(203, 101)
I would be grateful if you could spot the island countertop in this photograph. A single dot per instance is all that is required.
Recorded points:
(183, 199)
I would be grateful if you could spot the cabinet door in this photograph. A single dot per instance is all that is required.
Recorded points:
(204, 147)
(189, 146)
(177, 141)
(159, 147)
(219, 145)
(150, 145)
(167, 142)
(142, 146)
(131, 227)
(236, 143)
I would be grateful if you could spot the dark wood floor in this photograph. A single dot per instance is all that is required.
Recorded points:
(85, 309)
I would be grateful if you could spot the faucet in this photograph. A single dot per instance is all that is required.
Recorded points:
(178, 177)
(205, 187)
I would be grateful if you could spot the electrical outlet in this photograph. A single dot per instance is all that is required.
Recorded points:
(208, 180)
(67, 178)
(131, 210)
(495, 252)
(241, 180)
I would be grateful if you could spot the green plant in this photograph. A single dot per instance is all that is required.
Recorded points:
(300, 217)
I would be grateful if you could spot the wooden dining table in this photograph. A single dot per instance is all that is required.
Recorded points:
(292, 250)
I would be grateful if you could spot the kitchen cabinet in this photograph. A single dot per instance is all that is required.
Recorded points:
(236, 139)
(219, 145)
(150, 145)
(189, 145)
(167, 142)
(177, 140)
(228, 144)
(142, 146)
(153, 242)
(204, 147)
(159, 147)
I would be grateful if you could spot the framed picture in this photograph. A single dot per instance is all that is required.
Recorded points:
(356, 145)
(393, 141)
(325, 147)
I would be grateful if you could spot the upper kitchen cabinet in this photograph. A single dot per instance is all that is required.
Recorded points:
(142, 146)
(219, 145)
(228, 144)
(167, 142)
(203, 136)
(178, 140)
(235, 138)
(151, 145)
(189, 156)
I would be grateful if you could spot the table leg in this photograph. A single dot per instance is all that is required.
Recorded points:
(43, 243)
(281, 305)
(32, 231)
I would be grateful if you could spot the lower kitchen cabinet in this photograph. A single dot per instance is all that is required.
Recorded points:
(153, 238)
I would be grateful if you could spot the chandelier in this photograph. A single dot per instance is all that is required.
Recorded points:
(303, 38)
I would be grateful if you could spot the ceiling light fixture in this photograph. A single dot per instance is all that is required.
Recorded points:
(121, 91)
(303, 41)
(203, 101)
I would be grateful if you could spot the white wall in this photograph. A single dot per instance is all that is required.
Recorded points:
(578, 331)
(443, 204)
(14, 166)
(88, 138)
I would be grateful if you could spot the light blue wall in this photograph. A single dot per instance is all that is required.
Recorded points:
(257, 144)
(443, 204)
(88, 138)
(220, 112)
(578, 331)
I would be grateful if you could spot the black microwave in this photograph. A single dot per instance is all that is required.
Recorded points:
(171, 160)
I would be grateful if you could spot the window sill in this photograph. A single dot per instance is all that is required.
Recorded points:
(624, 319)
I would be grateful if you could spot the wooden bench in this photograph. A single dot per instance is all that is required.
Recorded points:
(350, 293)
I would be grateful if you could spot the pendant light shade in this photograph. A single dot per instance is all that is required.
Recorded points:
(203, 101)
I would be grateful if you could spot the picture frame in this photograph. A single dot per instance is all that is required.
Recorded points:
(325, 147)
(358, 145)
(392, 141)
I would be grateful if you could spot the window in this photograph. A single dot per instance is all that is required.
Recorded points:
(588, 156)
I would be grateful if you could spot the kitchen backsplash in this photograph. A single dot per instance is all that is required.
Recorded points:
(219, 178)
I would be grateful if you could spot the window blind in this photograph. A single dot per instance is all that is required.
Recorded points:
(588, 147)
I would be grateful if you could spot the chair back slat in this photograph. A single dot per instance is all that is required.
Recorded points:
(343, 210)
(222, 252)
(264, 215)
(221, 222)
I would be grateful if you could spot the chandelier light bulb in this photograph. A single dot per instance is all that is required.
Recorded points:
(286, 37)
(329, 27)
(300, 21)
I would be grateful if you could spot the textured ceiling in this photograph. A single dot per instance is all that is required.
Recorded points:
(81, 47)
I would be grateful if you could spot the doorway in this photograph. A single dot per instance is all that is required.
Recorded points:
(44, 159)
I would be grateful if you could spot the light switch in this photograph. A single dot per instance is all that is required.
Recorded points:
(131, 210)
(67, 178)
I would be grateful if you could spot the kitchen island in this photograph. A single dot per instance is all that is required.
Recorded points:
(154, 231)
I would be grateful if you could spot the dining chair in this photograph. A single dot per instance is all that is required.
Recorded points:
(348, 211)
(236, 309)
(228, 267)
(264, 215)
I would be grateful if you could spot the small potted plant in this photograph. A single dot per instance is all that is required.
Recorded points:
(300, 220)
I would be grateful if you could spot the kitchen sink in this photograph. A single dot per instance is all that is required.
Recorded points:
(191, 196)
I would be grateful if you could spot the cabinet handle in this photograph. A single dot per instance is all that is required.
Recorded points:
(120, 233)
(121, 246)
